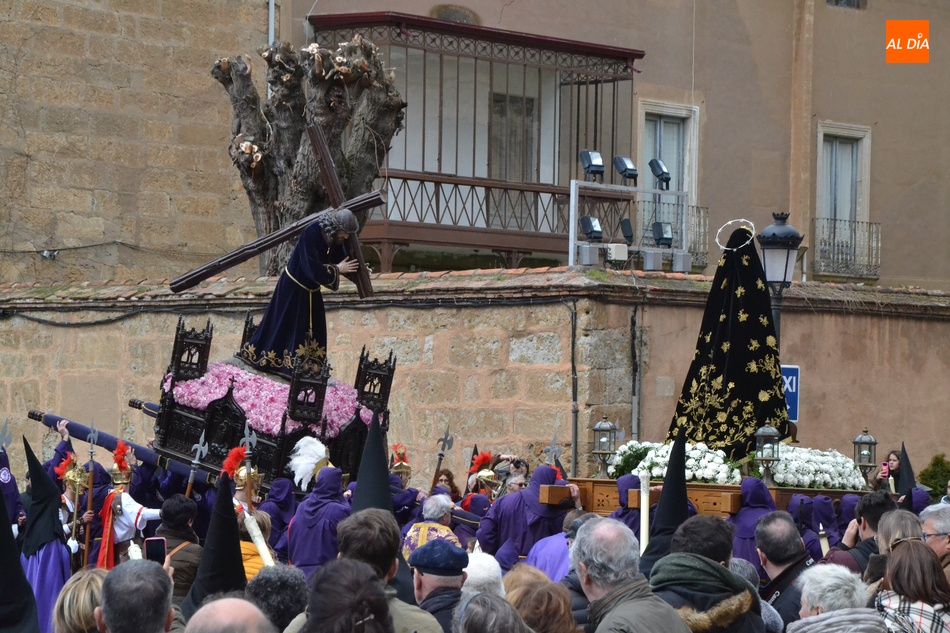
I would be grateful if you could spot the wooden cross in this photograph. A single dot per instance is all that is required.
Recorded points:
(335, 192)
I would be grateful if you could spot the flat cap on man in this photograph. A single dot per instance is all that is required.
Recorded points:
(439, 558)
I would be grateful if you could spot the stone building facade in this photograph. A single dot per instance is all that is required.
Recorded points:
(492, 355)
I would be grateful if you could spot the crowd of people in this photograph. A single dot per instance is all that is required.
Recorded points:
(478, 554)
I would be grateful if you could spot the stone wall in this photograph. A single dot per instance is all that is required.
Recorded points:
(490, 355)
(112, 130)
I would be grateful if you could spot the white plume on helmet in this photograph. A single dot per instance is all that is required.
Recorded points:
(304, 459)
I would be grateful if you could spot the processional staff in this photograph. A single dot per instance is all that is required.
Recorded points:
(249, 442)
(445, 443)
(92, 438)
(200, 450)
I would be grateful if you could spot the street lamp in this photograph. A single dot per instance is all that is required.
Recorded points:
(605, 443)
(865, 452)
(767, 451)
(779, 242)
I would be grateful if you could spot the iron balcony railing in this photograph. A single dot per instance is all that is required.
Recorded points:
(847, 248)
(528, 211)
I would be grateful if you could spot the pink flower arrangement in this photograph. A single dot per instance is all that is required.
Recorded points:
(264, 400)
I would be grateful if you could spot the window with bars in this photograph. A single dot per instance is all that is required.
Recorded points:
(848, 4)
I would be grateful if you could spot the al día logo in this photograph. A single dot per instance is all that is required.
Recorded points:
(908, 42)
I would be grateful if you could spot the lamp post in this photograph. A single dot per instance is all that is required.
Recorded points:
(779, 242)
(605, 443)
(865, 452)
(767, 451)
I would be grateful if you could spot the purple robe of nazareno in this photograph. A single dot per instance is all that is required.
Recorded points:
(552, 556)
(311, 537)
(47, 571)
(756, 503)
(143, 488)
(823, 516)
(280, 505)
(478, 505)
(405, 505)
(519, 520)
(11, 493)
(802, 510)
(64, 448)
(846, 511)
(628, 516)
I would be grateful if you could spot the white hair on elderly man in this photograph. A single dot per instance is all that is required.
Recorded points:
(436, 507)
(831, 588)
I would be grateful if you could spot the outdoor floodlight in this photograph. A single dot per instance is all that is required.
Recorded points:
(591, 228)
(593, 165)
(661, 173)
(663, 234)
(625, 167)
(627, 229)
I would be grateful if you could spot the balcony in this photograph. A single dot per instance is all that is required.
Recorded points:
(845, 248)
(514, 219)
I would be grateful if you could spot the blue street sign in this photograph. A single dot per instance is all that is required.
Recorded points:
(791, 379)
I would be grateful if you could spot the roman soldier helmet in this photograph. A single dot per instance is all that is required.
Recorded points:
(71, 473)
(400, 464)
(121, 471)
(485, 477)
(307, 459)
(236, 469)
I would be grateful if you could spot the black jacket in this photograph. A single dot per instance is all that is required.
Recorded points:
(579, 601)
(783, 593)
(441, 603)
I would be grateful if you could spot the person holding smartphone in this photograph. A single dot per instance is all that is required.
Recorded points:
(879, 478)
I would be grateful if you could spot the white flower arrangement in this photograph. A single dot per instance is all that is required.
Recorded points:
(702, 463)
(811, 468)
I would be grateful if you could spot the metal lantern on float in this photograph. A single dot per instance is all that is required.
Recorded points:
(865, 452)
(605, 443)
(767, 451)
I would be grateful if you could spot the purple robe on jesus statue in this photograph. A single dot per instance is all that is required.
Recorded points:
(519, 520)
(311, 536)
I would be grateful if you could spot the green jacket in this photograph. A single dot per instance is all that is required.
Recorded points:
(632, 608)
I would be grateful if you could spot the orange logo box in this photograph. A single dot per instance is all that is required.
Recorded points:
(908, 42)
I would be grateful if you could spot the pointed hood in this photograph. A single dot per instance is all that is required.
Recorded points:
(44, 524)
(906, 482)
(671, 510)
(372, 491)
(373, 482)
(17, 604)
(221, 568)
(734, 383)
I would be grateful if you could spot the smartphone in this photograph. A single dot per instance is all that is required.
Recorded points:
(155, 549)
(885, 470)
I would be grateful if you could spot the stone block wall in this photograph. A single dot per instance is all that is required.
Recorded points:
(113, 136)
(491, 356)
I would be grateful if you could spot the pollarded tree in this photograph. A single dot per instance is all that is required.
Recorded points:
(345, 92)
